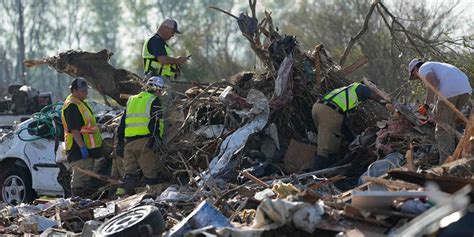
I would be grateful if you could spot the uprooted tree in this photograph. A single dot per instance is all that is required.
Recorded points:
(95, 68)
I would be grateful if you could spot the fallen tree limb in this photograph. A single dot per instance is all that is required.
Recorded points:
(445, 100)
(98, 176)
(317, 172)
(409, 158)
(450, 184)
(356, 65)
(468, 133)
(95, 68)
(255, 179)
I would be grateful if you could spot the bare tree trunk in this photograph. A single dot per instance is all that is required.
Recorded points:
(21, 43)
(60, 95)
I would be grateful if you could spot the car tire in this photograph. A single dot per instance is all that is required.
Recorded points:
(16, 185)
(139, 221)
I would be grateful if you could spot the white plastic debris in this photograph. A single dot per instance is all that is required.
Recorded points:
(211, 131)
(233, 143)
(171, 194)
(307, 218)
(35, 221)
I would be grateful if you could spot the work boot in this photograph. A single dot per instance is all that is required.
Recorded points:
(321, 162)
(129, 183)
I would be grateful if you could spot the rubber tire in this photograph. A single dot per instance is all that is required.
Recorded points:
(24, 175)
(154, 219)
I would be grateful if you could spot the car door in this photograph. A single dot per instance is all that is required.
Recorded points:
(44, 170)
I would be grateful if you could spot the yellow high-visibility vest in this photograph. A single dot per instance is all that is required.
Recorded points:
(89, 131)
(138, 115)
(151, 64)
(345, 97)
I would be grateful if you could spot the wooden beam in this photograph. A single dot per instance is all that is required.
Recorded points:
(356, 65)
(375, 89)
(255, 179)
(468, 132)
(98, 176)
(446, 101)
(317, 64)
(409, 157)
(396, 184)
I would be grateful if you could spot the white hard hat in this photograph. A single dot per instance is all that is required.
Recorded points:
(156, 82)
(411, 66)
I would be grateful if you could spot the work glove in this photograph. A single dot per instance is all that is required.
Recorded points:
(84, 152)
(423, 109)
(390, 107)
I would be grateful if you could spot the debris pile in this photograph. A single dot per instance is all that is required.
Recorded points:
(237, 153)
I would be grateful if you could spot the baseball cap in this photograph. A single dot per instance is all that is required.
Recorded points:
(171, 24)
(411, 66)
(79, 83)
(156, 81)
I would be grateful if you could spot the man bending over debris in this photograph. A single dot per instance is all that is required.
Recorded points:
(143, 128)
(157, 60)
(328, 116)
(81, 136)
(451, 83)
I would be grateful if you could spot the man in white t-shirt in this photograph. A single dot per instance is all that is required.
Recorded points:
(453, 84)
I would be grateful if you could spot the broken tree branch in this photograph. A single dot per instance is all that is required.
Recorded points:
(468, 133)
(359, 34)
(356, 65)
(224, 11)
(409, 157)
(255, 179)
(317, 172)
(98, 176)
(445, 100)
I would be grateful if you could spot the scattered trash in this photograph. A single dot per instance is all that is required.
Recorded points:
(90, 227)
(171, 194)
(381, 199)
(273, 213)
(203, 215)
(35, 224)
(238, 156)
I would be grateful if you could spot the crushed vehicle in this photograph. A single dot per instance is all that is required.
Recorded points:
(31, 155)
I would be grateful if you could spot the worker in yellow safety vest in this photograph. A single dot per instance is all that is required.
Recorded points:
(142, 127)
(156, 53)
(329, 114)
(82, 138)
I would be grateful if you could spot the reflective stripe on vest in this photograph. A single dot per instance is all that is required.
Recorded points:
(345, 97)
(152, 65)
(89, 131)
(138, 115)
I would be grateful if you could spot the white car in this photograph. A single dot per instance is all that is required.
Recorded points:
(28, 162)
(27, 168)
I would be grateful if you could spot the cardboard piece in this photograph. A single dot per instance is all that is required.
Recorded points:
(298, 156)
